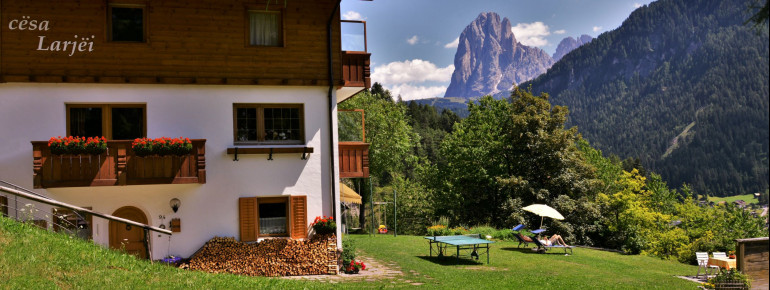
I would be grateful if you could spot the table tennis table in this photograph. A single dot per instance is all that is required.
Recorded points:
(469, 243)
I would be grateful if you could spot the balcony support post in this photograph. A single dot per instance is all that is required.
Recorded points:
(122, 161)
(201, 150)
(37, 166)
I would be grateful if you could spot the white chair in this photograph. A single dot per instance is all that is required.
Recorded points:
(717, 255)
(703, 262)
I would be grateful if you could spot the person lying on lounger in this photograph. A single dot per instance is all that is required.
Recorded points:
(554, 239)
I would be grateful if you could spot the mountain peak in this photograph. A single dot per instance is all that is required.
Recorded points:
(569, 44)
(489, 59)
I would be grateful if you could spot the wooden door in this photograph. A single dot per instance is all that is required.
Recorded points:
(130, 238)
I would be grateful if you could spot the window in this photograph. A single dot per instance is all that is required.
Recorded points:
(113, 121)
(273, 216)
(75, 222)
(126, 23)
(268, 123)
(265, 28)
(284, 216)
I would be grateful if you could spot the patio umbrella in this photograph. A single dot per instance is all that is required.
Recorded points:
(543, 211)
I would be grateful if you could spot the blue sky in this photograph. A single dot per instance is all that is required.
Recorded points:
(411, 41)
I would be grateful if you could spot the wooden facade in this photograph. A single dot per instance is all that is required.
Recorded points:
(186, 42)
(117, 166)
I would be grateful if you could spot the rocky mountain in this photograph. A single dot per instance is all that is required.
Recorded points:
(569, 44)
(683, 86)
(489, 59)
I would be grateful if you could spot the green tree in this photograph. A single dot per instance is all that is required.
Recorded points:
(762, 12)
(506, 155)
(390, 137)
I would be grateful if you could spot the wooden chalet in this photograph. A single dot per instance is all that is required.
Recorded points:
(253, 84)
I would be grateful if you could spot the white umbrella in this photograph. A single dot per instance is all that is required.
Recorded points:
(543, 211)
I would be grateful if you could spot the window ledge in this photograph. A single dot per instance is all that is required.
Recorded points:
(270, 150)
(250, 145)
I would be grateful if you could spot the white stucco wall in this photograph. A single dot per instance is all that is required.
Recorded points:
(36, 112)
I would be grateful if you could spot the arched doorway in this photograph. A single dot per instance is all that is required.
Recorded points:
(130, 238)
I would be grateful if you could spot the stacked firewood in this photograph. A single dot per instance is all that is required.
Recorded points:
(270, 257)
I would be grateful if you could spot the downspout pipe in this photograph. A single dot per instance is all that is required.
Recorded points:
(332, 102)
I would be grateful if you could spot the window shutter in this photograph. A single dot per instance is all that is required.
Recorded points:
(298, 209)
(247, 217)
(4, 206)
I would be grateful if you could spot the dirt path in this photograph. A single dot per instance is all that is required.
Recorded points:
(375, 270)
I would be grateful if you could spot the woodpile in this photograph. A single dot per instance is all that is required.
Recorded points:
(270, 257)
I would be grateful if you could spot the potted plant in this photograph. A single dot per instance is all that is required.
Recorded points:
(731, 254)
(354, 267)
(324, 225)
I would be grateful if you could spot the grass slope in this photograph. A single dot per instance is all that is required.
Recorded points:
(748, 198)
(34, 258)
(512, 268)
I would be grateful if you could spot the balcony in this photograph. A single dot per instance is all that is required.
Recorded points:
(354, 159)
(118, 166)
(354, 58)
(353, 151)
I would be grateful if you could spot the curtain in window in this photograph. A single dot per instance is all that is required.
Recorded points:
(265, 28)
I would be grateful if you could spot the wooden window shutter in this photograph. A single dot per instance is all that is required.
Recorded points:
(298, 215)
(247, 218)
(4, 206)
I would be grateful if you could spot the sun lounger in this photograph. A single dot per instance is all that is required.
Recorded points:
(543, 248)
(520, 237)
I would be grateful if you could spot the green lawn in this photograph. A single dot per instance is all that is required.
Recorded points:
(34, 258)
(748, 198)
(511, 267)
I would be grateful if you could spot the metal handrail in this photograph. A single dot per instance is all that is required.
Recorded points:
(80, 209)
(14, 186)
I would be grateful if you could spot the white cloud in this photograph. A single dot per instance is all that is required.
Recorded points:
(560, 31)
(411, 71)
(637, 5)
(413, 40)
(408, 78)
(409, 92)
(597, 28)
(453, 44)
(531, 34)
(352, 15)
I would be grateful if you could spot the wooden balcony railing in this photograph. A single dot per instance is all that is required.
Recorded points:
(355, 69)
(117, 166)
(354, 159)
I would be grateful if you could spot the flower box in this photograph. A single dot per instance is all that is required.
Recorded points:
(74, 145)
(117, 165)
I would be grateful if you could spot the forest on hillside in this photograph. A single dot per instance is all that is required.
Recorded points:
(480, 171)
(683, 86)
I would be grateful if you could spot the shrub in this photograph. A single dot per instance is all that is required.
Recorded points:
(504, 234)
(459, 231)
(348, 250)
(728, 278)
(444, 221)
(483, 231)
(438, 230)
